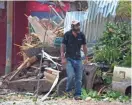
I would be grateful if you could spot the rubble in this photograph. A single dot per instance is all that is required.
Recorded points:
(14, 100)
(44, 29)
(25, 77)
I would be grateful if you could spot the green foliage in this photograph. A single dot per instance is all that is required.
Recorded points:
(124, 8)
(114, 48)
(107, 79)
(123, 98)
(108, 96)
(84, 94)
(89, 93)
(113, 94)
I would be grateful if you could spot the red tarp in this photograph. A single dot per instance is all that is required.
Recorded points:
(37, 6)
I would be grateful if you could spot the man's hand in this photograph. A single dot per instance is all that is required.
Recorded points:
(85, 52)
(63, 61)
(86, 60)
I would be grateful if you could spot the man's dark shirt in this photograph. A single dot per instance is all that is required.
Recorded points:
(73, 44)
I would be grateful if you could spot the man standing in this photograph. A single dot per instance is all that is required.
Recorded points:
(73, 41)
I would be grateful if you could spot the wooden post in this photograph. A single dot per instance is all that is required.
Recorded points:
(9, 36)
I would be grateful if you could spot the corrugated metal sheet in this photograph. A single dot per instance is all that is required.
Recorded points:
(94, 29)
(94, 19)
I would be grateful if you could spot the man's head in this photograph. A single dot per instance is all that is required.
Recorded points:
(75, 26)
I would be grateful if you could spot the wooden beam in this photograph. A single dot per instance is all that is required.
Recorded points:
(19, 69)
(9, 36)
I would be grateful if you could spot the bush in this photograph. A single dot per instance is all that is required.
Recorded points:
(114, 48)
(110, 95)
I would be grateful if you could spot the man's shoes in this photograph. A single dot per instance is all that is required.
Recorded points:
(77, 98)
(69, 95)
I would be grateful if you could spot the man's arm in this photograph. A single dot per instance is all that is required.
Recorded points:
(62, 51)
(85, 49)
(84, 45)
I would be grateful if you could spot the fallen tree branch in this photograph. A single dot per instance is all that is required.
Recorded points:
(18, 45)
(101, 90)
(28, 45)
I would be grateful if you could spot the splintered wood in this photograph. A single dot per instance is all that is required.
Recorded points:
(19, 68)
(44, 30)
(44, 34)
(24, 77)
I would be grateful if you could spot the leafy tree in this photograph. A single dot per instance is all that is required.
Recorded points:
(114, 48)
(124, 9)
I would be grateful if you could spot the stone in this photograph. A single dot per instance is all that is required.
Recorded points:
(88, 98)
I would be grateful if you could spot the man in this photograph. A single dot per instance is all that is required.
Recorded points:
(73, 41)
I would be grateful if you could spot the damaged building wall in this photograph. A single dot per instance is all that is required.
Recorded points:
(20, 28)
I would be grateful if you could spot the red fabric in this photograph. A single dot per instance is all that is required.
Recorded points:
(37, 6)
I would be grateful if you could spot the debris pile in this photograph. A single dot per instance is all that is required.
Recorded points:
(29, 70)
(44, 35)
(45, 30)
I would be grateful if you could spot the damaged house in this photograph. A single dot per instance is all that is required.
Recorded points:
(31, 27)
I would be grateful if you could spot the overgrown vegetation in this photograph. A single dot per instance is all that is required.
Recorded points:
(114, 48)
(108, 96)
(124, 9)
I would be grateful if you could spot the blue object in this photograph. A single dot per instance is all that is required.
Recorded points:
(58, 41)
(42, 15)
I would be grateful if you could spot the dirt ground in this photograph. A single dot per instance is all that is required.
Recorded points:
(60, 102)
(27, 100)
(8, 97)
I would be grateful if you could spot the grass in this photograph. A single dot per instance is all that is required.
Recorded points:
(108, 96)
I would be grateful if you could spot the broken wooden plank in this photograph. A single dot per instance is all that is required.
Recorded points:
(28, 45)
(29, 85)
(40, 31)
(18, 45)
(58, 26)
(52, 87)
(49, 76)
(31, 61)
(19, 69)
